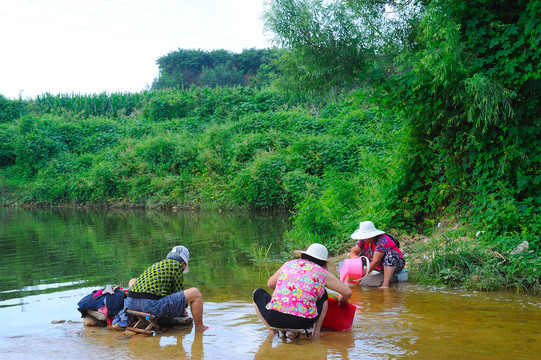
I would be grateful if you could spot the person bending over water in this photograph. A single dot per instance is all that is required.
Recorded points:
(380, 249)
(160, 290)
(299, 299)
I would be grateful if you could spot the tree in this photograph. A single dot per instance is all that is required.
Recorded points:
(337, 44)
(221, 75)
(464, 75)
(210, 68)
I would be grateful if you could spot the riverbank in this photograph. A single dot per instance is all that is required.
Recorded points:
(448, 258)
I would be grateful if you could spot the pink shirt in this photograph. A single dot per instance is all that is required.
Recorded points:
(300, 285)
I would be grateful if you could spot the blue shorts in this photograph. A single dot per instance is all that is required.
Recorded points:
(172, 305)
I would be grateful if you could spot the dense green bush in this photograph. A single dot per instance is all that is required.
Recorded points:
(8, 135)
(259, 184)
(11, 109)
(37, 142)
(184, 68)
(328, 213)
(221, 75)
(230, 146)
(168, 105)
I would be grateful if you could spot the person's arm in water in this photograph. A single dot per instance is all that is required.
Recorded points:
(274, 278)
(333, 283)
(355, 252)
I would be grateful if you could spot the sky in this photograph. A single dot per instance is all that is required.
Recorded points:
(95, 46)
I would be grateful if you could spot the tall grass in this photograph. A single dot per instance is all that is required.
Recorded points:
(111, 105)
(454, 260)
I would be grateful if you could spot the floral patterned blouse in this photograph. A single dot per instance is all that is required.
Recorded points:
(300, 285)
(383, 244)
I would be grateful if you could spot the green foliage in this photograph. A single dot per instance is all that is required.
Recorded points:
(36, 142)
(104, 181)
(453, 262)
(74, 106)
(461, 261)
(206, 105)
(336, 44)
(10, 109)
(245, 146)
(168, 105)
(8, 133)
(472, 140)
(221, 75)
(185, 68)
(259, 184)
(327, 214)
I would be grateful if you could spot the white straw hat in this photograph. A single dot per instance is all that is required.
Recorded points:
(366, 230)
(316, 251)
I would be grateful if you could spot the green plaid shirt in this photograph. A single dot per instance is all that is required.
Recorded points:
(161, 279)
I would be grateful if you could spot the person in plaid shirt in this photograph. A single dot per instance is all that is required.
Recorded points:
(159, 290)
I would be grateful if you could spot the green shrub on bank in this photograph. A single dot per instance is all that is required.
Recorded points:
(8, 134)
(168, 105)
(486, 262)
(259, 185)
(11, 109)
(328, 213)
(230, 141)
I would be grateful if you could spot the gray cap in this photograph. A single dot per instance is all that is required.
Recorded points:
(180, 253)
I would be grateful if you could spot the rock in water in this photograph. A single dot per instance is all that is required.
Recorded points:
(377, 278)
(97, 315)
(92, 321)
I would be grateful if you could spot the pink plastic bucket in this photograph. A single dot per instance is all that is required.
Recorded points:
(352, 270)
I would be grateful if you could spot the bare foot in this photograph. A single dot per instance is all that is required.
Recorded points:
(384, 287)
(318, 335)
(272, 332)
(201, 328)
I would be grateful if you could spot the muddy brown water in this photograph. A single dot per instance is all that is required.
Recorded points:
(51, 259)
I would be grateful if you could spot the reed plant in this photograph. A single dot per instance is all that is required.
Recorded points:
(260, 252)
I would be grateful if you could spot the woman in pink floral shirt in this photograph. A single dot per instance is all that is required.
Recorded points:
(380, 249)
(299, 299)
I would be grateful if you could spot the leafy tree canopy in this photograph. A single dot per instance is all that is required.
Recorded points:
(210, 68)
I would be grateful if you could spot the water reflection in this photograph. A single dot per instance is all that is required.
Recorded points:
(331, 345)
(73, 246)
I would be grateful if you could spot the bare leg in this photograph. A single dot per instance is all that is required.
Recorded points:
(195, 299)
(388, 272)
(271, 332)
(316, 333)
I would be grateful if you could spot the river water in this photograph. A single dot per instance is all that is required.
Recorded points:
(53, 258)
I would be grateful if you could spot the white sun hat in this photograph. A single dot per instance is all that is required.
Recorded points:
(366, 230)
(316, 251)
